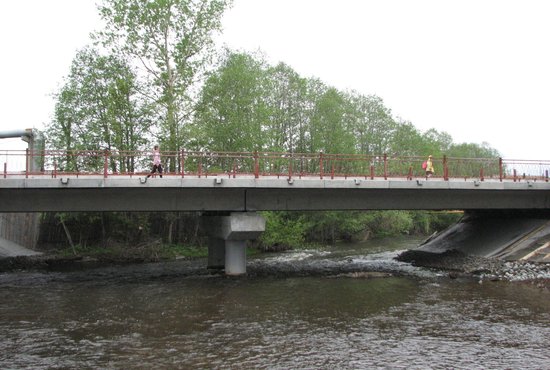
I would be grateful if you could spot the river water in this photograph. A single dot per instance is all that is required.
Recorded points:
(295, 310)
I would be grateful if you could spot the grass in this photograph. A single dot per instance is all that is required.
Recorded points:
(150, 251)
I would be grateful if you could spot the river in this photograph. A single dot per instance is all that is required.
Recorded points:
(296, 310)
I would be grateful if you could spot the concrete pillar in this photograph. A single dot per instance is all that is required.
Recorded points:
(229, 233)
(235, 257)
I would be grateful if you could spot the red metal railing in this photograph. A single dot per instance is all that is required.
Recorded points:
(54, 163)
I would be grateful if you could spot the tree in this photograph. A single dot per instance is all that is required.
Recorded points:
(288, 102)
(231, 112)
(408, 141)
(471, 150)
(97, 109)
(440, 142)
(172, 41)
(371, 124)
(329, 131)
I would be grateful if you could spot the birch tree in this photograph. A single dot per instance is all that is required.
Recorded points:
(171, 40)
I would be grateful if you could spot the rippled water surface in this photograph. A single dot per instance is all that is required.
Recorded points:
(306, 309)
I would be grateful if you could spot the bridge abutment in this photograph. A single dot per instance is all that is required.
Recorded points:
(228, 235)
(501, 234)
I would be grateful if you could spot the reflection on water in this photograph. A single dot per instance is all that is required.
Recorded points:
(168, 316)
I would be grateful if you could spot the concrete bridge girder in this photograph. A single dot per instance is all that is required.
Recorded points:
(238, 195)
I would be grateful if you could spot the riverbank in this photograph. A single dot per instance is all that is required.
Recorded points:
(485, 269)
(454, 262)
(61, 263)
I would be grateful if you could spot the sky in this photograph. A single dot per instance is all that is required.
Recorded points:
(476, 69)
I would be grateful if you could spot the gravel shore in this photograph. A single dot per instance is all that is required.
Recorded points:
(486, 269)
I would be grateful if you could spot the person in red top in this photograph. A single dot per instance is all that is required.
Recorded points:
(157, 166)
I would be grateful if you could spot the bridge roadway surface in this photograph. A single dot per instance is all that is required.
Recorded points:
(242, 194)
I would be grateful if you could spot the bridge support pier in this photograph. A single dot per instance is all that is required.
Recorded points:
(227, 239)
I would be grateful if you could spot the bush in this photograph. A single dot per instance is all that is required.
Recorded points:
(389, 223)
(283, 230)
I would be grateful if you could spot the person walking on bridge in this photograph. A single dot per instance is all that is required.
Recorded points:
(157, 166)
(429, 166)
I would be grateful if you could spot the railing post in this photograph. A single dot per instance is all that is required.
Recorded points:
(256, 165)
(27, 163)
(290, 168)
(515, 175)
(182, 163)
(500, 168)
(385, 166)
(321, 165)
(481, 174)
(332, 171)
(105, 163)
(372, 172)
(410, 177)
(546, 176)
(6, 170)
(445, 169)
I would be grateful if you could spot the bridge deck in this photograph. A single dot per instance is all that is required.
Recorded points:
(247, 193)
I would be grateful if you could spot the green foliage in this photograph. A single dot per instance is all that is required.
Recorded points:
(297, 229)
(180, 250)
(442, 220)
(387, 223)
(81, 250)
(98, 109)
(334, 225)
(471, 150)
(173, 41)
(288, 101)
(283, 229)
(231, 109)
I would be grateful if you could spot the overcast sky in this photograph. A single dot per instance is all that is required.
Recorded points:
(477, 69)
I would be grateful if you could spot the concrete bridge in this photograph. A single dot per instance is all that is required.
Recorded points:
(229, 204)
(229, 188)
(227, 194)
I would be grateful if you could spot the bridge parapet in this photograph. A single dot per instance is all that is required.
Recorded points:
(55, 163)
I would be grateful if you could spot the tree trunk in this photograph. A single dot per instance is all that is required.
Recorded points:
(68, 234)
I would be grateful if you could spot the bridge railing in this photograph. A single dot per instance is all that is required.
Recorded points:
(183, 163)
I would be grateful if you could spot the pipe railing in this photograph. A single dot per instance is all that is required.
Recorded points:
(54, 163)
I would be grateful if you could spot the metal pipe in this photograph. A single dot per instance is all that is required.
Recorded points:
(16, 133)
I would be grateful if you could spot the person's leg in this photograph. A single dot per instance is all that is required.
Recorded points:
(152, 171)
(160, 170)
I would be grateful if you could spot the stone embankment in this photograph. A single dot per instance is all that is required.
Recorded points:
(491, 247)
(458, 264)
(519, 271)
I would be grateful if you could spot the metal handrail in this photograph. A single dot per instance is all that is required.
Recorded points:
(185, 163)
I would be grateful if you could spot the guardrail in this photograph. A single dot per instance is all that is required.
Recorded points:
(54, 163)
